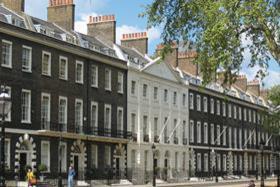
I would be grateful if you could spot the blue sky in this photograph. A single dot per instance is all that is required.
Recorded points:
(126, 12)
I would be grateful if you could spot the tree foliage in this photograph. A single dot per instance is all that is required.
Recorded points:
(274, 95)
(219, 30)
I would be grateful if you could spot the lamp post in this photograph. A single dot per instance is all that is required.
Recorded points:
(262, 143)
(278, 173)
(5, 106)
(154, 165)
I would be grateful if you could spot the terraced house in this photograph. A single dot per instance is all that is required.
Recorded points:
(225, 124)
(69, 95)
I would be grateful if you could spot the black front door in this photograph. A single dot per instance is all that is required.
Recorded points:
(165, 168)
(118, 175)
(76, 166)
(22, 166)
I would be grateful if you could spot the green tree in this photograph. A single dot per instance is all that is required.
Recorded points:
(274, 95)
(219, 29)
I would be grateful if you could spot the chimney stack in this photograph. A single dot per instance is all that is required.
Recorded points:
(254, 87)
(185, 62)
(137, 40)
(172, 56)
(14, 5)
(264, 94)
(102, 25)
(241, 82)
(62, 13)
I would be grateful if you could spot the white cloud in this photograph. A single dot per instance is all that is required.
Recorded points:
(153, 33)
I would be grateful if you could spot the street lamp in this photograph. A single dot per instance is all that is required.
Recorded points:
(5, 106)
(262, 143)
(278, 173)
(154, 165)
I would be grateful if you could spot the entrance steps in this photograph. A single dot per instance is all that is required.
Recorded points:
(82, 184)
(22, 184)
(123, 182)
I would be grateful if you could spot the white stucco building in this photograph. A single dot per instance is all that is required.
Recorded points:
(157, 110)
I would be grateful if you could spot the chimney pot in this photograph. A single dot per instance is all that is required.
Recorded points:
(137, 40)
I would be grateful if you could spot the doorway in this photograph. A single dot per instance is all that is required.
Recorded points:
(118, 174)
(76, 167)
(22, 166)
(165, 168)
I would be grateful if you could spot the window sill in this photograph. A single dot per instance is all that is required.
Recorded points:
(79, 82)
(6, 66)
(109, 90)
(120, 92)
(63, 79)
(94, 86)
(26, 71)
(26, 122)
(47, 75)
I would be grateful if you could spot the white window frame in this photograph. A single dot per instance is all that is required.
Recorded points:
(206, 167)
(66, 67)
(133, 122)
(122, 118)
(9, 89)
(218, 135)
(110, 115)
(11, 55)
(49, 105)
(198, 103)
(145, 90)
(81, 112)
(93, 103)
(49, 63)
(120, 81)
(245, 114)
(205, 104)
(109, 88)
(66, 112)
(205, 132)
(8, 155)
(48, 161)
(212, 130)
(224, 109)
(133, 87)
(29, 67)
(94, 84)
(198, 161)
(198, 131)
(63, 160)
(155, 93)
(218, 107)
(191, 131)
(29, 107)
(82, 72)
(229, 110)
(212, 106)
(191, 101)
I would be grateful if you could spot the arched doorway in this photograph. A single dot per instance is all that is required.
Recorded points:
(119, 162)
(25, 155)
(78, 159)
